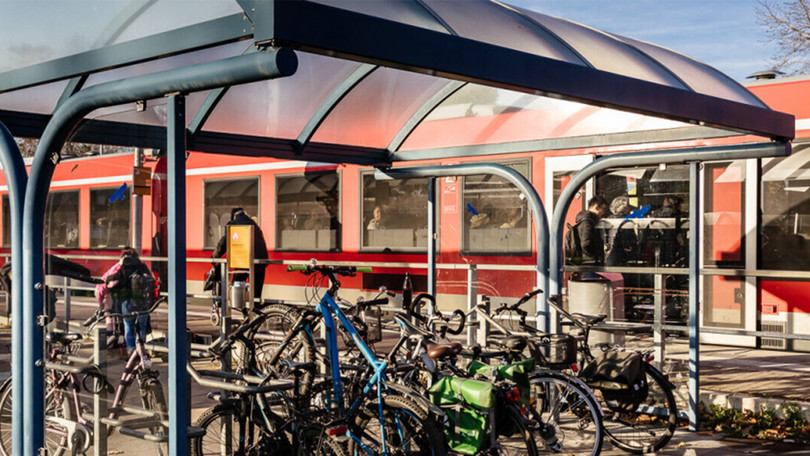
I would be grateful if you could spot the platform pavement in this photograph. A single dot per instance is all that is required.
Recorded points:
(738, 377)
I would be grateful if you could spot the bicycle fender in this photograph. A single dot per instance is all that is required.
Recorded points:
(420, 400)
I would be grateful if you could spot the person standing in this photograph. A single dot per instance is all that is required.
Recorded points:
(593, 247)
(622, 242)
(120, 283)
(240, 217)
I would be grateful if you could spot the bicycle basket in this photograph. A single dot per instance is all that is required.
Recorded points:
(621, 379)
(558, 351)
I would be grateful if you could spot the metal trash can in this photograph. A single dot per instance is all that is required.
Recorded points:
(595, 296)
(238, 298)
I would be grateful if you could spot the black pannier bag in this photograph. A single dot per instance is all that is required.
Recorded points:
(620, 377)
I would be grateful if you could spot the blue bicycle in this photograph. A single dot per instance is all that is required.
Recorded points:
(378, 416)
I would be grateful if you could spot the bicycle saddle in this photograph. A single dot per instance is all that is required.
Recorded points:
(439, 351)
(411, 330)
(590, 319)
(62, 338)
(516, 343)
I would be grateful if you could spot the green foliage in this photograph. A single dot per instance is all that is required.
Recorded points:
(765, 424)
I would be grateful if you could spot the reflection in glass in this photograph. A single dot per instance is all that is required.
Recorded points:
(308, 211)
(62, 220)
(219, 197)
(109, 217)
(6, 222)
(394, 213)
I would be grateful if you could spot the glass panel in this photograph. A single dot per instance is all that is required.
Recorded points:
(724, 298)
(497, 218)
(110, 214)
(280, 108)
(785, 208)
(606, 53)
(477, 20)
(36, 100)
(724, 215)
(6, 222)
(308, 212)
(62, 220)
(485, 115)
(394, 214)
(372, 113)
(74, 27)
(219, 197)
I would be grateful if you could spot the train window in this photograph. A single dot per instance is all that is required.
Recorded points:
(6, 222)
(308, 212)
(219, 197)
(496, 215)
(109, 218)
(785, 209)
(394, 214)
(62, 220)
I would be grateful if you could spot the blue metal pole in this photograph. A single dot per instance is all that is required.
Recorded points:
(431, 240)
(178, 345)
(232, 71)
(694, 296)
(523, 184)
(16, 178)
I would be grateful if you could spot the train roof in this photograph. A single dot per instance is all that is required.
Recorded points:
(374, 82)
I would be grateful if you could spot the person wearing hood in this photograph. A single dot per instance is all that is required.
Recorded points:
(239, 217)
(118, 283)
(593, 246)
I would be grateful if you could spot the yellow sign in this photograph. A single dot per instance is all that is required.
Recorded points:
(141, 180)
(240, 246)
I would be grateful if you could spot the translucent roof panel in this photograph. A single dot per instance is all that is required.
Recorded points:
(403, 11)
(154, 114)
(477, 20)
(377, 108)
(38, 100)
(478, 115)
(81, 25)
(280, 108)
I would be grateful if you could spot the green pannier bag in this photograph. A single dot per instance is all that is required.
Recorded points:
(517, 372)
(466, 403)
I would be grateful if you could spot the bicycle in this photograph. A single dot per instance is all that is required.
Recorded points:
(384, 418)
(565, 416)
(635, 422)
(68, 426)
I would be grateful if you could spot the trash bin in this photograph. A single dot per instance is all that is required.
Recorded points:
(596, 296)
(238, 295)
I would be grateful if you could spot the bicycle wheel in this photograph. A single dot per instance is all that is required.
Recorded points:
(221, 438)
(650, 427)
(517, 440)
(317, 442)
(57, 405)
(153, 399)
(408, 430)
(278, 322)
(566, 415)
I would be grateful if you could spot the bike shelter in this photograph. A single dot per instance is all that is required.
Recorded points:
(155, 61)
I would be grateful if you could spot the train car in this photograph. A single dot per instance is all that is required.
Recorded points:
(755, 217)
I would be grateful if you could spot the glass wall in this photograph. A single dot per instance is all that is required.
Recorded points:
(62, 220)
(110, 215)
(394, 214)
(6, 222)
(308, 211)
(496, 215)
(222, 195)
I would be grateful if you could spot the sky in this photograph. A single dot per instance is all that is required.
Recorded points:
(721, 33)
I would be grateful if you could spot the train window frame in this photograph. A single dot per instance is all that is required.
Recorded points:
(90, 211)
(77, 217)
(318, 236)
(465, 218)
(248, 208)
(365, 219)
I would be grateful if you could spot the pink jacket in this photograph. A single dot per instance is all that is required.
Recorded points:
(101, 289)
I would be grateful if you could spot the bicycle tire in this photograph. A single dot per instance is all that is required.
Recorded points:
(401, 418)
(649, 434)
(521, 442)
(278, 321)
(567, 417)
(55, 441)
(153, 399)
(214, 420)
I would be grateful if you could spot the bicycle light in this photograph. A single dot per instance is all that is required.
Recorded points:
(512, 395)
(338, 430)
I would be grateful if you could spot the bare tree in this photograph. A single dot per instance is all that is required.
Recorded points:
(788, 26)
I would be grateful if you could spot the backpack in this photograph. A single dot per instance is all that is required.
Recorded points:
(141, 286)
(572, 246)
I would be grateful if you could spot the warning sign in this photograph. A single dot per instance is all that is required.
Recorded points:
(240, 246)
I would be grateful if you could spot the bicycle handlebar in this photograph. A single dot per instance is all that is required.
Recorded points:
(341, 270)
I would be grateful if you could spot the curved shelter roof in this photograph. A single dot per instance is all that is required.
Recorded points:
(376, 82)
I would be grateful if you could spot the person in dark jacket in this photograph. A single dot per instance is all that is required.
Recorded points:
(118, 284)
(239, 217)
(622, 242)
(590, 238)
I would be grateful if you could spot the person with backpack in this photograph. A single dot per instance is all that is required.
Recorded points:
(621, 243)
(133, 290)
(590, 246)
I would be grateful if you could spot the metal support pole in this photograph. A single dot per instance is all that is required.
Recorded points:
(66, 293)
(100, 398)
(432, 236)
(137, 208)
(483, 325)
(694, 296)
(472, 301)
(179, 416)
(659, 303)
